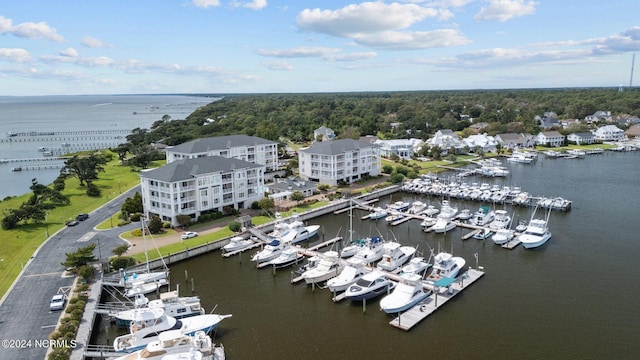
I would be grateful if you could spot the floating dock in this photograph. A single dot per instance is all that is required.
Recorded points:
(438, 298)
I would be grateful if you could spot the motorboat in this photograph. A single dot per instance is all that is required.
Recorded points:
(536, 234)
(170, 302)
(329, 266)
(522, 226)
(148, 323)
(580, 154)
(427, 223)
(445, 265)
(271, 251)
(409, 292)
(287, 257)
(353, 247)
(464, 214)
(394, 216)
(482, 217)
(237, 243)
(483, 234)
(137, 278)
(519, 157)
(502, 236)
(294, 231)
(395, 256)
(447, 209)
(416, 265)
(174, 342)
(431, 210)
(142, 287)
(443, 223)
(378, 213)
(398, 206)
(372, 251)
(369, 286)
(502, 220)
(353, 271)
(416, 207)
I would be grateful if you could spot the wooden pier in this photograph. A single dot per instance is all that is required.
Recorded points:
(513, 243)
(438, 298)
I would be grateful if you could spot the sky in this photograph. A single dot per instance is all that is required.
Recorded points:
(74, 47)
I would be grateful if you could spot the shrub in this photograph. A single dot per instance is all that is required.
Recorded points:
(135, 217)
(122, 262)
(255, 205)
(235, 226)
(92, 190)
(136, 232)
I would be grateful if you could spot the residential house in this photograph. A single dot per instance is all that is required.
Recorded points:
(609, 133)
(599, 116)
(627, 120)
(344, 160)
(243, 147)
(323, 133)
(282, 189)
(569, 122)
(485, 142)
(403, 148)
(515, 141)
(548, 121)
(445, 140)
(200, 185)
(477, 127)
(550, 138)
(582, 138)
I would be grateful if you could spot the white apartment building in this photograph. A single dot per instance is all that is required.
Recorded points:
(346, 160)
(244, 147)
(201, 185)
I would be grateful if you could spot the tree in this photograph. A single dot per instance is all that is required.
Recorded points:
(82, 256)
(387, 169)
(133, 205)
(396, 178)
(297, 196)
(184, 220)
(155, 225)
(267, 203)
(122, 150)
(84, 168)
(143, 156)
(120, 249)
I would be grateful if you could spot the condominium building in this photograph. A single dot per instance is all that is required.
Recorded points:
(244, 147)
(202, 185)
(344, 160)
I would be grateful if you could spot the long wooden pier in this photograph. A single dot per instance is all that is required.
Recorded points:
(438, 298)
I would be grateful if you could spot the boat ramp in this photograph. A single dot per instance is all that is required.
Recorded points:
(440, 296)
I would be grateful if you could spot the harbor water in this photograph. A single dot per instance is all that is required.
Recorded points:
(576, 297)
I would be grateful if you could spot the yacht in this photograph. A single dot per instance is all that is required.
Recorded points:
(294, 231)
(372, 251)
(502, 236)
(536, 234)
(409, 292)
(352, 248)
(353, 271)
(329, 266)
(271, 251)
(431, 210)
(519, 157)
(174, 342)
(395, 256)
(369, 286)
(445, 265)
(394, 216)
(378, 213)
(483, 234)
(465, 214)
(501, 220)
(142, 287)
(417, 207)
(148, 323)
(287, 257)
(398, 206)
(170, 302)
(237, 243)
(482, 217)
(417, 265)
(443, 223)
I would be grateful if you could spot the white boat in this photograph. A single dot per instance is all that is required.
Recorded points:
(417, 207)
(443, 223)
(580, 154)
(294, 231)
(483, 234)
(329, 266)
(522, 226)
(353, 247)
(174, 342)
(417, 265)
(287, 257)
(447, 209)
(170, 302)
(409, 292)
(464, 214)
(427, 223)
(378, 213)
(353, 271)
(398, 206)
(271, 251)
(395, 256)
(502, 236)
(519, 157)
(144, 287)
(372, 251)
(445, 265)
(536, 234)
(431, 210)
(502, 220)
(394, 216)
(482, 217)
(369, 286)
(148, 323)
(237, 243)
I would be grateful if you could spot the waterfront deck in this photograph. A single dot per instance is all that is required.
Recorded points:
(413, 316)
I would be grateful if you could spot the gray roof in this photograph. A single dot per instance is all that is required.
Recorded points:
(296, 185)
(337, 147)
(584, 134)
(204, 145)
(186, 169)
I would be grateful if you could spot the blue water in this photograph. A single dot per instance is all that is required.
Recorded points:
(76, 113)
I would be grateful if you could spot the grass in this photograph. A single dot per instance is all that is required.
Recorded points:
(19, 245)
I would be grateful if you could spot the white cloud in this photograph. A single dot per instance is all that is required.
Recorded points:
(397, 40)
(29, 30)
(278, 65)
(504, 10)
(256, 4)
(206, 3)
(92, 42)
(70, 52)
(15, 55)
(354, 56)
(303, 51)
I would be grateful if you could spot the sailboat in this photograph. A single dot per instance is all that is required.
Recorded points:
(148, 281)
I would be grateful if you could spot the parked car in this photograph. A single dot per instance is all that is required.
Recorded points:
(189, 235)
(82, 217)
(57, 302)
(72, 223)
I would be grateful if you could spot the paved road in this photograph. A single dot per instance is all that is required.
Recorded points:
(24, 314)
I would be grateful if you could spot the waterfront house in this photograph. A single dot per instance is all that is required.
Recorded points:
(344, 160)
(609, 133)
(550, 138)
(201, 185)
(243, 147)
(581, 138)
(323, 133)
(485, 142)
(599, 116)
(445, 140)
(403, 148)
(515, 141)
(627, 120)
(282, 189)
